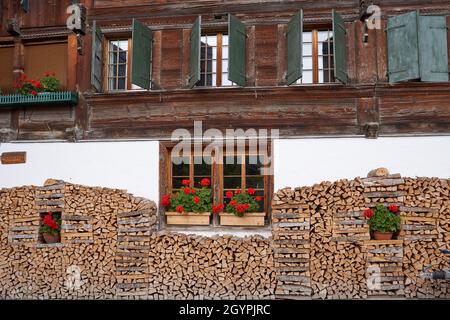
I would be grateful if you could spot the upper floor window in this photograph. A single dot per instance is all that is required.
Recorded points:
(214, 61)
(317, 59)
(118, 64)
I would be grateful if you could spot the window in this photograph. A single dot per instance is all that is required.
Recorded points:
(318, 63)
(43, 57)
(238, 171)
(119, 65)
(214, 61)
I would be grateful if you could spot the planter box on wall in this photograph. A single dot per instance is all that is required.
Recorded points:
(251, 219)
(188, 218)
(42, 98)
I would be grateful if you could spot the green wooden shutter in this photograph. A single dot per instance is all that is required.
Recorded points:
(403, 47)
(294, 48)
(237, 56)
(433, 50)
(194, 62)
(142, 42)
(25, 5)
(339, 48)
(97, 59)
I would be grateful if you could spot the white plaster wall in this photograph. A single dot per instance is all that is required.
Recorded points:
(303, 162)
(132, 166)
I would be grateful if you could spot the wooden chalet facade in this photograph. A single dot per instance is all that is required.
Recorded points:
(307, 68)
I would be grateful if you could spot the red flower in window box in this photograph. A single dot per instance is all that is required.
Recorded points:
(233, 203)
(205, 182)
(251, 191)
(259, 198)
(238, 191)
(186, 182)
(187, 190)
(229, 194)
(218, 208)
(166, 200)
(196, 200)
(180, 209)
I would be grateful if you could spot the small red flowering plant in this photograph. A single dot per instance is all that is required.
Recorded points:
(48, 83)
(383, 219)
(51, 224)
(189, 199)
(240, 202)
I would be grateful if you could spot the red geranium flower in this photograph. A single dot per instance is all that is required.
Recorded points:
(193, 191)
(34, 93)
(368, 213)
(166, 200)
(218, 208)
(251, 191)
(393, 208)
(258, 198)
(187, 190)
(205, 182)
(229, 194)
(196, 200)
(238, 191)
(186, 182)
(180, 209)
(233, 203)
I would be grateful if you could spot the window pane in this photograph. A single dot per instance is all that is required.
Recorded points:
(177, 182)
(122, 70)
(232, 182)
(253, 165)
(307, 49)
(202, 169)
(121, 84)
(307, 77)
(181, 169)
(307, 36)
(225, 40)
(224, 52)
(122, 57)
(256, 182)
(231, 166)
(307, 63)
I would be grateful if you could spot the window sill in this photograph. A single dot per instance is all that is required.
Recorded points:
(210, 231)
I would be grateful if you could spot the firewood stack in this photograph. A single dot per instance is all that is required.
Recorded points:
(342, 258)
(291, 225)
(133, 244)
(426, 229)
(194, 267)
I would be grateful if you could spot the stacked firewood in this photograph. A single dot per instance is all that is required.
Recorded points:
(426, 229)
(193, 267)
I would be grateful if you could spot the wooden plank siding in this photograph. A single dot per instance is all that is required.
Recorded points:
(266, 102)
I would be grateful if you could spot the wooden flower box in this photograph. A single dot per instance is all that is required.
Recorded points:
(250, 219)
(188, 218)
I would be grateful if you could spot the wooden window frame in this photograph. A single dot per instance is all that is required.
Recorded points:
(106, 46)
(165, 186)
(219, 70)
(315, 54)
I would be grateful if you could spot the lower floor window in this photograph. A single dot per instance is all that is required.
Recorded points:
(233, 186)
